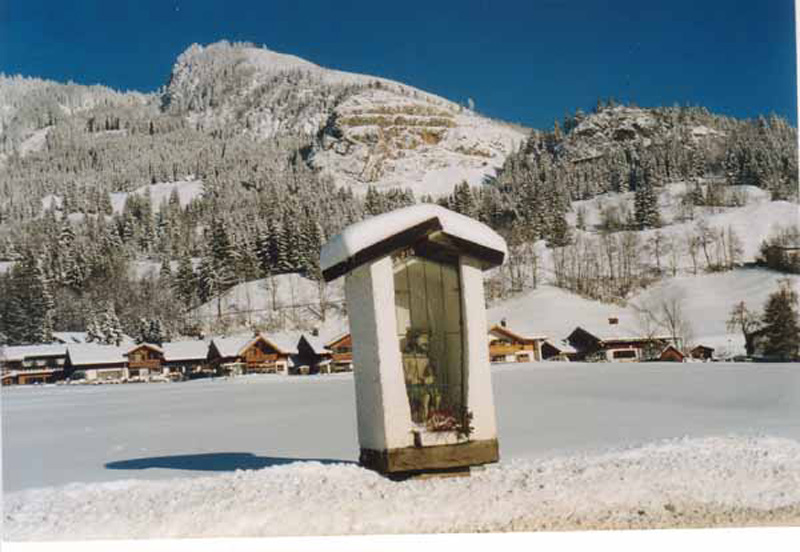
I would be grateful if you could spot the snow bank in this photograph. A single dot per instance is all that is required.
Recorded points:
(689, 482)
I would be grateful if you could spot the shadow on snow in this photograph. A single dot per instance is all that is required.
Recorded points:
(213, 461)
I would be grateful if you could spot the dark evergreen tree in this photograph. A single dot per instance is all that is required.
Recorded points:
(781, 327)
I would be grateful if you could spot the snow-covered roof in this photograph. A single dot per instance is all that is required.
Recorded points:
(361, 242)
(235, 345)
(613, 332)
(231, 346)
(562, 345)
(498, 329)
(285, 341)
(21, 352)
(317, 344)
(152, 346)
(70, 337)
(185, 350)
(91, 354)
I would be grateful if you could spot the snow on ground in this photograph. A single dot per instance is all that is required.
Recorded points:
(707, 300)
(35, 142)
(695, 482)
(554, 312)
(160, 193)
(146, 268)
(582, 445)
(288, 299)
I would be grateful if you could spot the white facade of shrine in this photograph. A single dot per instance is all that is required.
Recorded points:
(418, 324)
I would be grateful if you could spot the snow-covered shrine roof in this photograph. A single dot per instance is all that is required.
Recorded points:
(383, 234)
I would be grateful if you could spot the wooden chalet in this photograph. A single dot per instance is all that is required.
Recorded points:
(312, 355)
(702, 352)
(249, 354)
(144, 360)
(97, 362)
(508, 346)
(27, 364)
(558, 350)
(341, 350)
(183, 358)
(614, 344)
(671, 353)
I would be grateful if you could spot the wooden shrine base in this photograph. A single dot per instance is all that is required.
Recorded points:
(441, 460)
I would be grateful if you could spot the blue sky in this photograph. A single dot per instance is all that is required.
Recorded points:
(529, 62)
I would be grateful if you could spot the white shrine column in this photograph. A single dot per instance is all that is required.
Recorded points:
(480, 400)
(383, 411)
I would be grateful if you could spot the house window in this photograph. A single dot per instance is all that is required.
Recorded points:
(428, 311)
(627, 353)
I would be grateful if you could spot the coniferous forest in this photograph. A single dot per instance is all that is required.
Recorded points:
(76, 214)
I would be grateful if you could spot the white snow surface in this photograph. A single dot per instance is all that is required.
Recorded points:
(361, 235)
(193, 349)
(582, 445)
(160, 193)
(89, 354)
(706, 301)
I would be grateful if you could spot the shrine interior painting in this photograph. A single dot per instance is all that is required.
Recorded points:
(429, 326)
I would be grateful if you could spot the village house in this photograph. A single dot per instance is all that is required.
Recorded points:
(612, 343)
(183, 358)
(671, 353)
(32, 363)
(560, 350)
(250, 354)
(144, 360)
(702, 352)
(341, 349)
(508, 346)
(96, 362)
(313, 355)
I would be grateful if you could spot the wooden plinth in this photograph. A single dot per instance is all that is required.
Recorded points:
(446, 460)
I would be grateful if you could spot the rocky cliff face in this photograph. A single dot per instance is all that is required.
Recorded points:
(365, 130)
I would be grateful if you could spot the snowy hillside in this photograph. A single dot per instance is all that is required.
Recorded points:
(706, 301)
(287, 301)
(371, 130)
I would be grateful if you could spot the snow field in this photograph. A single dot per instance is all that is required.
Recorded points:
(690, 482)
(581, 445)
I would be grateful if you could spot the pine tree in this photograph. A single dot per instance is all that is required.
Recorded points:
(646, 210)
(781, 327)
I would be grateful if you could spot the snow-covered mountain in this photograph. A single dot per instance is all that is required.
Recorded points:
(367, 130)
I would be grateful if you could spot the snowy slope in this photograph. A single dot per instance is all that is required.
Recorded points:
(160, 193)
(554, 312)
(286, 301)
(707, 301)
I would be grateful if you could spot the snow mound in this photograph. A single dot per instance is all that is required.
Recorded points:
(713, 481)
